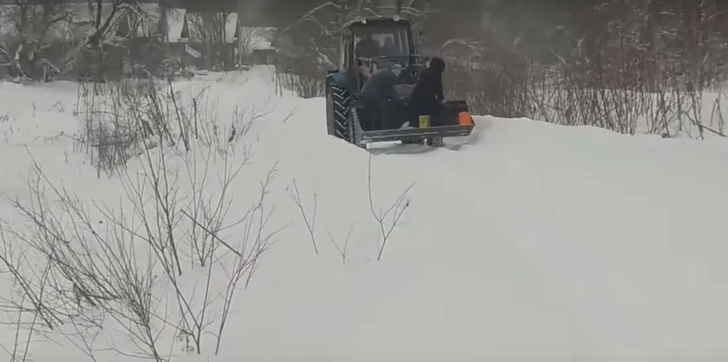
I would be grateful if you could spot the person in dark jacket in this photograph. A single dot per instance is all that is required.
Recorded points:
(427, 96)
(378, 94)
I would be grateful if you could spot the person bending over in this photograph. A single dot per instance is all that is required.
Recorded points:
(378, 97)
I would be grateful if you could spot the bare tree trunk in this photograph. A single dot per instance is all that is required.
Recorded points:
(651, 66)
(690, 11)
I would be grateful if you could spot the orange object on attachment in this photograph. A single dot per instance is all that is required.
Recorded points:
(464, 118)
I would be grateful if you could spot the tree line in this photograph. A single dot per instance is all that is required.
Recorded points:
(626, 65)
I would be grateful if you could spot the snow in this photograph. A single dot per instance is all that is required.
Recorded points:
(526, 242)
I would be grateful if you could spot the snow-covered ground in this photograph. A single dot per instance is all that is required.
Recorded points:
(528, 242)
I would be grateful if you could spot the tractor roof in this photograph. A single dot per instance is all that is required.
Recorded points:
(378, 20)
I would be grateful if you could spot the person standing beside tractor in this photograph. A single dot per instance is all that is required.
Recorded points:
(427, 97)
(379, 97)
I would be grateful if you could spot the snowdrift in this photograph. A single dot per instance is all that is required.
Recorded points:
(528, 242)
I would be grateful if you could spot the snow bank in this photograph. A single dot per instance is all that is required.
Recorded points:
(529, 242)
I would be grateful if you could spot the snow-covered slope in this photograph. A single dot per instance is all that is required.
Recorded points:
(528, 242)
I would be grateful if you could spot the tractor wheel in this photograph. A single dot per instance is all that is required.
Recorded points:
(330, 114)
(338, 103)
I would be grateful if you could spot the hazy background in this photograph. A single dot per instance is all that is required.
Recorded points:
(595, 62)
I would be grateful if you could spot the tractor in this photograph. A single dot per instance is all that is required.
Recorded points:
(345, 114)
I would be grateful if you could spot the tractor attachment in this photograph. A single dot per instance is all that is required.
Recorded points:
(453, 120)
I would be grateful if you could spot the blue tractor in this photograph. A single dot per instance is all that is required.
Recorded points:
(344, 113)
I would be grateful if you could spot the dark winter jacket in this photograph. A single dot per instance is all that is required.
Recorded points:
(428, 91)
(379, 88)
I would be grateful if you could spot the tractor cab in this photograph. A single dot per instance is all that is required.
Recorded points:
(378, 43)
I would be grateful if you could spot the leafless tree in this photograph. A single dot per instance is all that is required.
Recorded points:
(34, 24)
(248, 39)
(211, 29)
(101, 21)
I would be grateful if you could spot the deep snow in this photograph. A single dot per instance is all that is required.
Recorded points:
(530, 241)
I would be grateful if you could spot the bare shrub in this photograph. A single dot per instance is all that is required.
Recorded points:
(387, 220)
(305, 84)
(310, 224)
(108, 136)
(79, 268)
(394, 212)
(617, 91)
(22, 318)
(341, 249)
(121, 120)
(497, 86)
(83, 265)
(638, 67)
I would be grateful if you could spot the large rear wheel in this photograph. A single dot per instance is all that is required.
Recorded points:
(338, 100)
